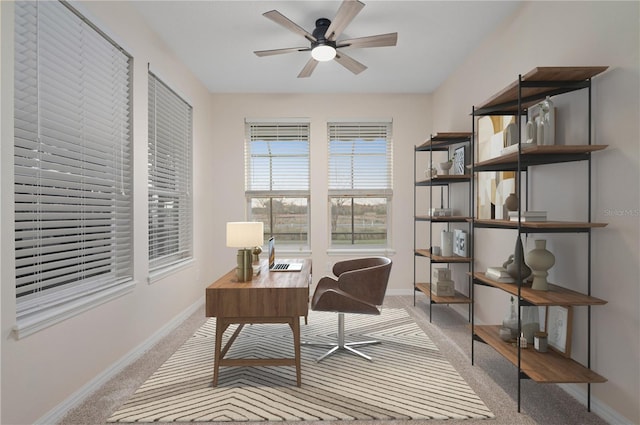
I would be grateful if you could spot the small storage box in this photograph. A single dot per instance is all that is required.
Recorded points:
(443, 288)
(441, 273)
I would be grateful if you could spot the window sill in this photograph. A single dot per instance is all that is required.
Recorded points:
(339, 252)
(283, 252)
(162, 272)
(42, 320)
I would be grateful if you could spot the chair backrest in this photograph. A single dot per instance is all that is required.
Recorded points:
(364, 278)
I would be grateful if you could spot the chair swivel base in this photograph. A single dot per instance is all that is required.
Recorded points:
(341, 345)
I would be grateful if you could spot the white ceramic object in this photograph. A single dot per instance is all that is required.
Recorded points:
(446, 166)
(540, 260)
(530, 133)
(446, 243)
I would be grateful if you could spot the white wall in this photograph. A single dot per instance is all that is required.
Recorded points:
(565, 34)
(42, 370)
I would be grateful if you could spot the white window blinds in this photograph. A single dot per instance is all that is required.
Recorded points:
(170, 176)
(360, 159)
(277, 158)
(72, 164)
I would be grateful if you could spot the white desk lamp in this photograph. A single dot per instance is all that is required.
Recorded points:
(245, 235)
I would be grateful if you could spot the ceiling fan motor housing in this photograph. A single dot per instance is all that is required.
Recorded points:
(319, 33)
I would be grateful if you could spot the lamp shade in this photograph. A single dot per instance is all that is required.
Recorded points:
(245, 234)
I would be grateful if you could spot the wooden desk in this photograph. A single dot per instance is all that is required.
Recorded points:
(271, 297)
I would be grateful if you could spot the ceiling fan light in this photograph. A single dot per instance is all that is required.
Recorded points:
(323, 53)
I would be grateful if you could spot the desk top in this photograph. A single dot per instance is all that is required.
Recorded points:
(269, 294)
(266, 278)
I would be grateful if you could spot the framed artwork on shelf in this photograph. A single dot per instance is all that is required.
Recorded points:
(493, 186)
(558, 323)
(460, 242)
(458, 160)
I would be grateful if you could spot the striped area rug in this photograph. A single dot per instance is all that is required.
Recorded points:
(409, 377)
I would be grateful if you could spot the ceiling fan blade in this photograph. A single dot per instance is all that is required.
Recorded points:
(350, 63)
(262, 53)
(347, 11)
(381, 40)
(279, 18)
(308, 68)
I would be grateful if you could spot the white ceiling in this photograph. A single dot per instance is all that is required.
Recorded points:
(216, 40)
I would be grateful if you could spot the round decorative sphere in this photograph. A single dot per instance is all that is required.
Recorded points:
(511, 202)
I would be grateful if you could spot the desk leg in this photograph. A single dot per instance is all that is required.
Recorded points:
(295, 327)
(220, 327)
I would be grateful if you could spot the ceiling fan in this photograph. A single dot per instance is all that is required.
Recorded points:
(324, 44)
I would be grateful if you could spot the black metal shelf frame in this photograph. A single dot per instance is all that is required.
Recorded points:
(438, 143)
(517, 108)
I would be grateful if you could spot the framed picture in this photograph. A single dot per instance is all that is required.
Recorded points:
(558, 327)
(460, 242)
(458, 161)
(493, 187)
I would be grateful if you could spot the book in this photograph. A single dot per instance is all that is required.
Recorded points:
(499, 274)
(523, 219)
(528, 214)
(514, 148)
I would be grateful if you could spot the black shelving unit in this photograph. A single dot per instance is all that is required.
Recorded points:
(515, 100)
(440, 142)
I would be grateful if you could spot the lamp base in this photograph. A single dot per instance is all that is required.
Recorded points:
(244, 271)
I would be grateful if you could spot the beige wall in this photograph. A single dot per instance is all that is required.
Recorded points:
(410, 115)
(574, 33)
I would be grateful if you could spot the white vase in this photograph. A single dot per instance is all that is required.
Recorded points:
(540, 130)
(446, 166)
(540, 260)
(548, 114)
(446, 243)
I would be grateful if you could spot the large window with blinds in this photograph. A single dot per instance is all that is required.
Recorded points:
(277, 179)
(360, 183)
(72, 165)
(170, 177)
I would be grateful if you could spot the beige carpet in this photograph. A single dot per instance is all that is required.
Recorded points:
(492, 377)
(408, 379)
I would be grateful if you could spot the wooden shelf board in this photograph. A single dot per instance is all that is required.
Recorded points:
(556, 295)
(549, 367)
(444, 179)
(551, 225)
(444, 139)
(443, 219)
(441, 259)
(536, 155)
(569, 74)
(458, 298)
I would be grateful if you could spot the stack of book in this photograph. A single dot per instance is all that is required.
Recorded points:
(441, 284)
(528, 216)
(499, 274)
(440, 212)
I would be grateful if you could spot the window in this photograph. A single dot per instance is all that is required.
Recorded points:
(360, 182)
(277, 179)
(72, 165)
(170, 177)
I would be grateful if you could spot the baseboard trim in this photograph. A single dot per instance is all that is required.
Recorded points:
(598, 407)
(58, 412)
